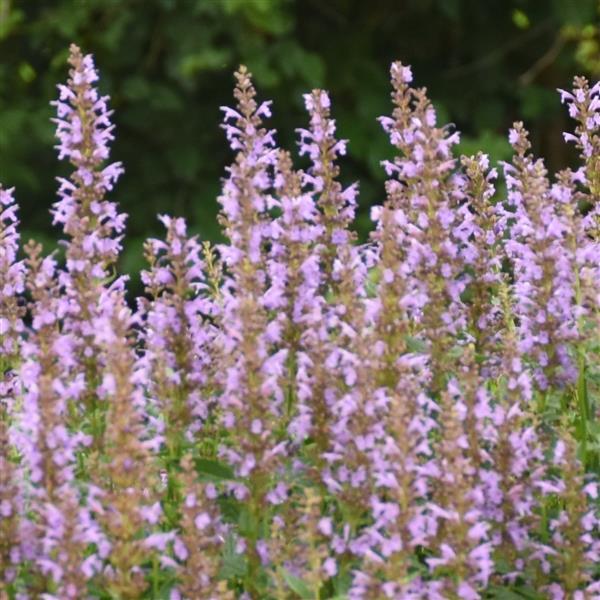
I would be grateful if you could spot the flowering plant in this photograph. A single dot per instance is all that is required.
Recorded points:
(291, 414)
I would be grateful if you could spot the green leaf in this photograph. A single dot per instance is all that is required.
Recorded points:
(9, 18)
(213, 469)
(491, 143)
(520, 19)
(229, 509)
(506, 593)
(372, 282)
(415, 345)
(247, 523)
(26, 72)
(575, 13)
(234, 564)
(297, 585)
(164, 593)
(538, 102)
(204, 60)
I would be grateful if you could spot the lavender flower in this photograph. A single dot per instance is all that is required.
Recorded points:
(575, 528)
(178, 337)
(337, 205)
(295, 278)
(584, 107)
(483, 252)
(435, 226)
(301, 541)
(126, 479)
(252, 369)
(402, 458)
(464, 550)
(12, 273)
(543, 267)
(92, 224)
(516, 452)
(62, 528)
(198, 544)
(12, 276)
(331, 211)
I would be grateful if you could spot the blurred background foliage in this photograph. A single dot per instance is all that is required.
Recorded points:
(167, 65)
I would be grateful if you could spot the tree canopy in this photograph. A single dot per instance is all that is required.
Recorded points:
(168, 64)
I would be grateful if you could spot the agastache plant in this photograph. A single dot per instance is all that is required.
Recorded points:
(291, 414)
(401, 457)
(91, 224)
(332, 209)
(575, 189)
(337, 205)
(436, 226)
(178, 338)
(12, 284)
(198, 544)
(543, 266)
(124, 476)
(575, 545)
(483, 248)
(516, 452)
(293, 268)
(252, 398)
(60, 529)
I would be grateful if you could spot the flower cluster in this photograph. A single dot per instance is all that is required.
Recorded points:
(292, 414)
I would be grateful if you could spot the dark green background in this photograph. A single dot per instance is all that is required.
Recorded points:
(167, 65)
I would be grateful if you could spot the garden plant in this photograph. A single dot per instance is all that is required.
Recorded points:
(291, 414)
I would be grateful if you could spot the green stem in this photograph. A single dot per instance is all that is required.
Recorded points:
(291, 392)
(582, 400)
(581, 392)
(155, 577)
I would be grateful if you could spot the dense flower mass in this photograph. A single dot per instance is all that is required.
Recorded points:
(291, 414)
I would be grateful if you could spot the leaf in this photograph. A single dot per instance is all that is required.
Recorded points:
(495, 145)
(27, 72)
(575, 13)
(234, 564)
(297, 585)
(229, 509)
(415, 345)
(204, 60)
(520, 19)
(248, 525)
(9, 19)
(213, 469)
(164, 593)
(506, 593)
(372, 282)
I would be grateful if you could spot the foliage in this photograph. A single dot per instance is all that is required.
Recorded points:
(168, 62)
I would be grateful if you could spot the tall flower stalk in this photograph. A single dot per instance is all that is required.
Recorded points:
(337, 205)
(543, 267)
(252, 399)
(12, 276)
(330, 234)
(435, 224)
(483, 248)
(60, 529)
(125, 477)
(578, 194)
(91, 223)
(178, 340)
